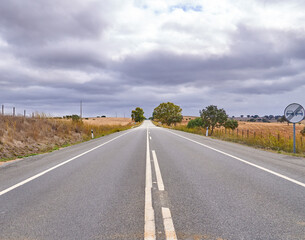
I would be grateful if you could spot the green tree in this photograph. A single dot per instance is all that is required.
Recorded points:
(231, 123)
(283, 119)
(197, 122)
(75, 118)
(213, 117)
(137, 115)
(168, 113)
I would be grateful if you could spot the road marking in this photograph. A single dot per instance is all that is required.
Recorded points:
(149, 225)
(158, 172)
(169, 228)
(58, 165)
(244, 161)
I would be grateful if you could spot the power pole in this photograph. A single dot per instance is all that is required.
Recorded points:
(14, 111)
(81, 109)
(2, 109)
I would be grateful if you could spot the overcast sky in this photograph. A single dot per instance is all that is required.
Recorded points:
(246, 56)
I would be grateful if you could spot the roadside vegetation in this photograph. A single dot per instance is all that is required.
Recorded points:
(168, 113)
(137, 115)
(271, 136)
(20, 136)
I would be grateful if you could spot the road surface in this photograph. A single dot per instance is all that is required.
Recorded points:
(153, 183)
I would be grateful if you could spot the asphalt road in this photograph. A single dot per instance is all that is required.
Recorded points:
(153, 183)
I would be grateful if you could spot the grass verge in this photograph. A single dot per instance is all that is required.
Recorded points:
(22, 137)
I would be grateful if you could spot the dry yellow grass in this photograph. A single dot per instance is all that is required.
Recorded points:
(21, 136)
(283, 129)
(108, 121)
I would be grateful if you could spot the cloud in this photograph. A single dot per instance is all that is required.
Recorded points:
(116, 55)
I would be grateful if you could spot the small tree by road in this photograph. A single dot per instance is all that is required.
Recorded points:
(231, 124)
(197, 122)
(213, 117)
(137, 115)
(168, 113)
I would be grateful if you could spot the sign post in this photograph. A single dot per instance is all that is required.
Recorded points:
(294, 113)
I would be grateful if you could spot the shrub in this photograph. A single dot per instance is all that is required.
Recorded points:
(197, 122)
(75, 118)
(231, 123)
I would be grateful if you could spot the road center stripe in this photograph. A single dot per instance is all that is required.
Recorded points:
(169, 228)
(149, 225)
(158, 172)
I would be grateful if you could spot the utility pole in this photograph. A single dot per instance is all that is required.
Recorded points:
(14, 111)
(2, 109)
(81, 109)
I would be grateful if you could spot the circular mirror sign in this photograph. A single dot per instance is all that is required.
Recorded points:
(294, 113)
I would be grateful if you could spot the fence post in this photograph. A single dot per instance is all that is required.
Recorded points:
(24, 113)
(14, 111)
(254, 134)
(278, 137)
(237, 132)
(242, 133)
(247, 133)
(2, 109)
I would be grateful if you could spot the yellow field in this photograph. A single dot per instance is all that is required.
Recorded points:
(108, 121)
(283, 129)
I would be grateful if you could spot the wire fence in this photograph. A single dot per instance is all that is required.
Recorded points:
(265, 139)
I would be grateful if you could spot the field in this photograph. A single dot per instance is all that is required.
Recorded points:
(107, 121)
(21, 136)
(273, 136)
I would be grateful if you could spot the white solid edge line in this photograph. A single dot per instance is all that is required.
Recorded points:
(158, 172)
(169, 228)
(56, 166)
(244, 161)
(149, 215)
